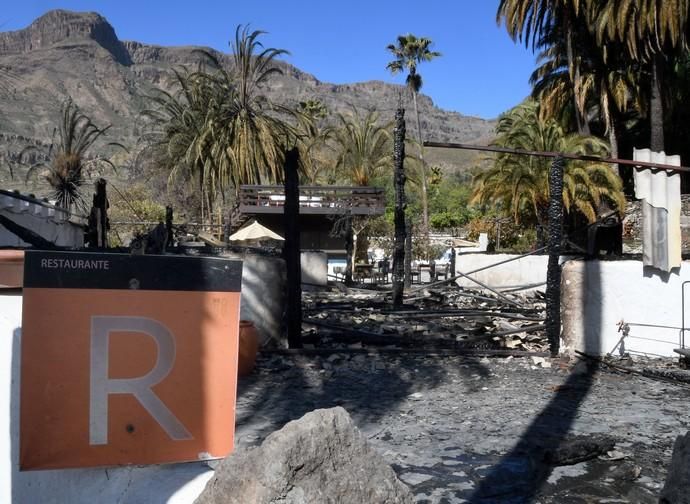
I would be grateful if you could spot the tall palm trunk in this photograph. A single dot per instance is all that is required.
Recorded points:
(656, 108)
(607, 113)
(613, 140)
(425, 204)
(201, 187)
(541, 209)
(574, 73)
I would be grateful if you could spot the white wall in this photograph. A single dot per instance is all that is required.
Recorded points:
(172, 483)
(314, 267)
(10, 321)
(530, 270)
(263, 295)
(596, 295)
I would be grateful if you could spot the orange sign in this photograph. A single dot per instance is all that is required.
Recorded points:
(127, 359)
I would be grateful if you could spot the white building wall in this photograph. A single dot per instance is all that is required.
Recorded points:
(597, 295)
(526, 271)
(314, 267)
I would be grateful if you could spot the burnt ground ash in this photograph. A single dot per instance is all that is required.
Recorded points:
(463, 428)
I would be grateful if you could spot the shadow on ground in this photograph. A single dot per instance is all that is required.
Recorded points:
(521, 473)
(285, 388)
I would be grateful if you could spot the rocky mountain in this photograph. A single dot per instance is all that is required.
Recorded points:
(74, 54)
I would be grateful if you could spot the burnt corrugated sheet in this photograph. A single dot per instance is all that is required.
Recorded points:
(659, 191)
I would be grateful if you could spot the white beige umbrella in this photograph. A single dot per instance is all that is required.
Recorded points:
(460, 243)
(255, 231)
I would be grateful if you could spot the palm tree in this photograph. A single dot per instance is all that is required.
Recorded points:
(530, 20)
(218, 127)
(312, 139)
(606, 85)
(408, 53)
(652, 31)
(67, 158)
(251, 131)
(518, 185)
(179, 135)
(364, 147)
(364, 152)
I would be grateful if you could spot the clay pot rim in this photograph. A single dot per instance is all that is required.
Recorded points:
(11, 256)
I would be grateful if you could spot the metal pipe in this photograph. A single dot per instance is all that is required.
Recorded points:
(501, 296)
(576, 157)
(155, 223)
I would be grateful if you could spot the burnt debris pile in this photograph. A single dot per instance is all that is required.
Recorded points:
(446, 318)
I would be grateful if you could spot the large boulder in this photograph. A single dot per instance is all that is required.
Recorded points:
(677, 487)
(320, 458)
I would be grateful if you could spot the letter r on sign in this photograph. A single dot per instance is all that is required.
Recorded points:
(140, 387)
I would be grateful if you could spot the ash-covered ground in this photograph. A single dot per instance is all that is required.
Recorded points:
(462, 428)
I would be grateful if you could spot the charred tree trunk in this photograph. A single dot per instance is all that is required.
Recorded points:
(408, 253)
(400, 205)
(553, 272)
(292, 250)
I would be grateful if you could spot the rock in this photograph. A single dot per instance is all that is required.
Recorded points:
(578, 449)
(540, 361)
(626, 472)
(320, 458)
(60, 26)
(677, 487)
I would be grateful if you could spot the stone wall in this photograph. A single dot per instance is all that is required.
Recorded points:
(632, 226)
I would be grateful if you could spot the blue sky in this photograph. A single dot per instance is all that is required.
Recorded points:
(482, 72)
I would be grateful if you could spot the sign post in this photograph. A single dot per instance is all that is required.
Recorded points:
(127, 359)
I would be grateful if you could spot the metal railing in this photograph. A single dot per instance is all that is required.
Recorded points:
(313, 199)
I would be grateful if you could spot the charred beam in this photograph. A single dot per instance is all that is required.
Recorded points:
(400, 205)
(553, 272)
(291, 250)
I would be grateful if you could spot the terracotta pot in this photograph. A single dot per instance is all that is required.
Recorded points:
(249, 346)
(11, 269)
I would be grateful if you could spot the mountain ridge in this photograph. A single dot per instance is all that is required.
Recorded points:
(64, 53)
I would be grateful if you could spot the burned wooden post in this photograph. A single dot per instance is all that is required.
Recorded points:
(451, 266)
(169, 225)
(400, 205)
(100, 209)
(349, 249)
(553, 272)
(291, 250)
